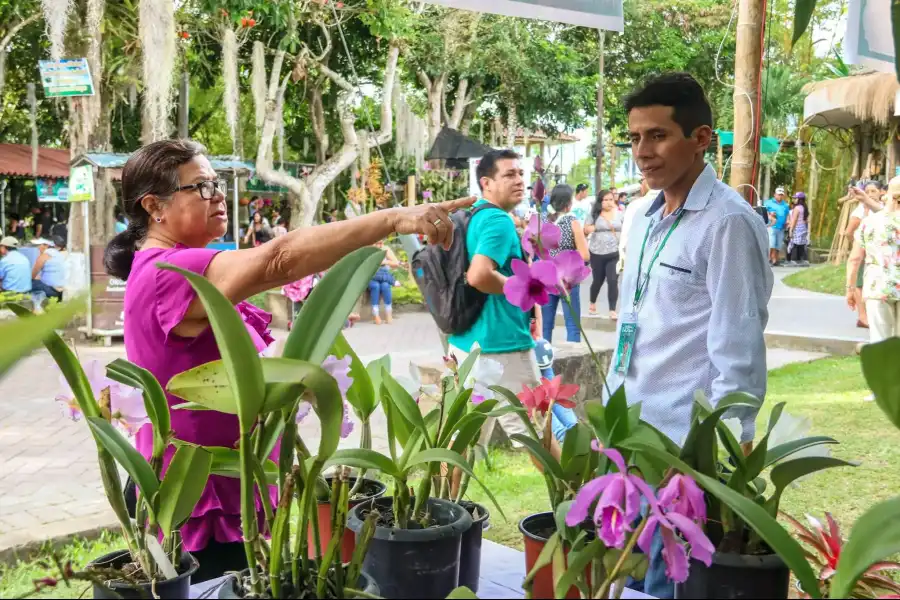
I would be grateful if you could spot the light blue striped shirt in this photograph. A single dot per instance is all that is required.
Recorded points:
(701, 319)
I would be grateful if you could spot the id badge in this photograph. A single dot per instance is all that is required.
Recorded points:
(627, 334)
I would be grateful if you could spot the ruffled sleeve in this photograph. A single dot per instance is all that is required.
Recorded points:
(257, 319)
(173, 292)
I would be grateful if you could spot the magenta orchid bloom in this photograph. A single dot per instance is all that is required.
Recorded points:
(540, 237)
(619, 504)
(126, 404)
(571, 269)
(679, 514)
(530, 285)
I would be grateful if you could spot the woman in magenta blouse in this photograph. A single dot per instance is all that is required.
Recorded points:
(176, 206)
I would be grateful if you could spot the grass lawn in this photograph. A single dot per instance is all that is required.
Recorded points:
(825, 279)
(829, 391)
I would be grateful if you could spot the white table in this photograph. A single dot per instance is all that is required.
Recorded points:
(502, 573)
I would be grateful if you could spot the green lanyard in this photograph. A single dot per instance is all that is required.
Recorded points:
(643, 282)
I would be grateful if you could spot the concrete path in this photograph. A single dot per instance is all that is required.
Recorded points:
(49, 482)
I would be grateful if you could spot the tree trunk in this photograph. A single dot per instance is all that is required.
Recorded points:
(746, 107)
(511, 126)
(598, 169)
(184, 106)
(434, 113)
(460, 104)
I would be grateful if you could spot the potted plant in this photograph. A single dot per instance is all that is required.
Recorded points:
(266, 394)
(744, 563)
(127, 395)
(874, 537)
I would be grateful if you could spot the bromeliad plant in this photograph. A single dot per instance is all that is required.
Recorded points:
(266, 395)
(164, 503)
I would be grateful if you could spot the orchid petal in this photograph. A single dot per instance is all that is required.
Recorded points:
(578, 512)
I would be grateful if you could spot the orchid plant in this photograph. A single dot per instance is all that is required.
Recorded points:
(121, 399)
(438, 440)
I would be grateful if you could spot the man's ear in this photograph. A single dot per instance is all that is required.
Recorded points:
(703, 135)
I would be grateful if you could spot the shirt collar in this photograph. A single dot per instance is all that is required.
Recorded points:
(697, 198)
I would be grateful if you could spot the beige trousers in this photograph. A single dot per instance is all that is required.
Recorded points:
(884, 320)
(519, 368)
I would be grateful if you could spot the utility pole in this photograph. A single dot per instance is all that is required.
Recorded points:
(746, 93)
(598, 171)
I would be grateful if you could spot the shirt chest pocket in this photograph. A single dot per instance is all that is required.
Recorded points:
(679, 282)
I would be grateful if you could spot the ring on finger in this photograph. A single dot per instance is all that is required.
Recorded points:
(437, 222)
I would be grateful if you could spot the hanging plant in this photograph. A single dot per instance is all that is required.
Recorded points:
(56, 15)
(258, 83)
(157, 33)
(230, 75)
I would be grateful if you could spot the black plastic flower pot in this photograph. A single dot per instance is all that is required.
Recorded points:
(179, 587)
(414, 563)
(230, 589)
(470, 551)
(733, 576)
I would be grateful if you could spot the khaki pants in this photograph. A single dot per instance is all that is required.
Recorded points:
(884, 319)
(519, 368)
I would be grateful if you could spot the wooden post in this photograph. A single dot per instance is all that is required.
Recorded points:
(598, 170)
(411, 190)
(746, 79)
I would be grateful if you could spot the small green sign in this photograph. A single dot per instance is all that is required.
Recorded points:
(81, 184)
(66, 78)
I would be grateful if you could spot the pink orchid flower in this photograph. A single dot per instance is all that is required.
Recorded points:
(530, 285)
(618, 497)
(126, 404)
(571, 269)
(340, 370)
(540, 237)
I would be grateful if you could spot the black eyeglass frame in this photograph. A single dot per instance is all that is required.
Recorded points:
(207, 188)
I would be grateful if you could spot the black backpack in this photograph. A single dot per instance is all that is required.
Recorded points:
(441, 276)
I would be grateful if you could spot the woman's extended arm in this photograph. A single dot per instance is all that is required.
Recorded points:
(239, 274)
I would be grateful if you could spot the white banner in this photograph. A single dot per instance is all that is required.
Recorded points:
(599, 14)
(869, 40)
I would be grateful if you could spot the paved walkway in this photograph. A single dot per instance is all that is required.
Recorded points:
(49, 482)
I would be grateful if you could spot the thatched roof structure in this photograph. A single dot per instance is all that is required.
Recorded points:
(867, 96)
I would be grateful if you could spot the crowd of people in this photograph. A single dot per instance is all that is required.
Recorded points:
(43, 278)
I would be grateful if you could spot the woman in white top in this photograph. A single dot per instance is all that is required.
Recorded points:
(869, 200)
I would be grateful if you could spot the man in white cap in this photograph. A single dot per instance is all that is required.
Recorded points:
(779, 209)
(15, 269)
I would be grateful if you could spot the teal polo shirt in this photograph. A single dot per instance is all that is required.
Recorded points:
(501, 327)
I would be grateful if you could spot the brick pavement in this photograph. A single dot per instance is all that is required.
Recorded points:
(49, 481)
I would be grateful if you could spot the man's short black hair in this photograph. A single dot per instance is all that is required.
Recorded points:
(581, 187)
(690, 108)
(488, 165)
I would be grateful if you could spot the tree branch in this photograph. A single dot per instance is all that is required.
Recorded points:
(17, 28)
(460, 103)
(425, 80)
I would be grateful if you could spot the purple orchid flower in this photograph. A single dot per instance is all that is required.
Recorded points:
(540, 237)
(427, 194)
(126, 404)
(571, 269)
(619, 502)
(346, 424)
(530, 285)
(340, 370)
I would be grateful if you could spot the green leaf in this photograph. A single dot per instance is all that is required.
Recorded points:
(364, 459)
(404, 404)
(374, 369)
(182, 486)
(577, 563)
(235, 346)
(361, 394)
(462, 593)
(434, 455)
(874, 538)
(778, 539)
(782, 451)
(455, 415)
(130, 459)
(551, 466)
(739, 399)
(329, 304)
(21, 336)
(514, 401)
(879, 361)
(775, 415)
(803, 11)
(63, 355)
(576, 451)
(155, 402)
(596, 416)
(785, 473)
(617, 417)
(466, 367)
(227, 463)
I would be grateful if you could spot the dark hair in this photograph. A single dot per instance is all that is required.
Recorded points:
(152, 169)
(623, 195)
(487, 167)
(580, 188)
(597, 208)
(58, 241)
(802, 202)
(690, 108)
(560, 200)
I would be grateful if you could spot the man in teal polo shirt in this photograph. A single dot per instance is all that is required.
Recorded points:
(503, 331)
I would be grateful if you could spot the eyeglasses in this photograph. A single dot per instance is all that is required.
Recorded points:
(207, 188)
